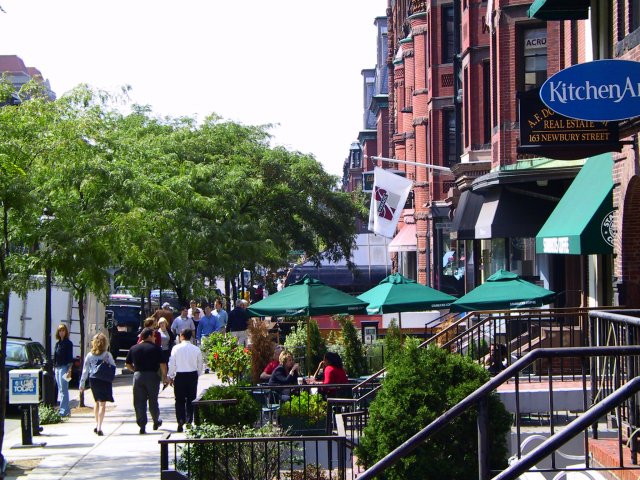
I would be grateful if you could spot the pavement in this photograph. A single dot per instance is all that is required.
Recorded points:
(74, 451)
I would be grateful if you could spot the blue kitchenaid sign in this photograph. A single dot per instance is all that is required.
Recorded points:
(600, 91)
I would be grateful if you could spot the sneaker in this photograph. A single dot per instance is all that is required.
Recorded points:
(142, 431)
(157, 425)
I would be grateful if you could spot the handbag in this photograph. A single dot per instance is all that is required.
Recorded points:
(104, 371)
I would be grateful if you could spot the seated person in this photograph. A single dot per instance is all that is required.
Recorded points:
(497, 358)
(285, 374)
(333, 373)
(272, 365)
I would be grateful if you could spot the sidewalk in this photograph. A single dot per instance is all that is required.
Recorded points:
(73, 451)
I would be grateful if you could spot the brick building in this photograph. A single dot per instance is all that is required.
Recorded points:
(462, 79)
(18, 74)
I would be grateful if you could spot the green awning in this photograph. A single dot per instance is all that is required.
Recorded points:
(560, 9)
(582, 223)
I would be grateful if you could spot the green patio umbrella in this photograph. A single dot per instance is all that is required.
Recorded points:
(397, 294)
(503, 290)
(307, 296)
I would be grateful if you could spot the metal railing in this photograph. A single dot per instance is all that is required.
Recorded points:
(519, 331)
(255, 458)
(513, 372)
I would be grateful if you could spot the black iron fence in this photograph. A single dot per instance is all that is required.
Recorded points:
(268, 458)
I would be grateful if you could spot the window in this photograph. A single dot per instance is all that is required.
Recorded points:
(449, 137)
(447, 34)
(465, 100)
(534, 45)
(486, 102)
(634, 15)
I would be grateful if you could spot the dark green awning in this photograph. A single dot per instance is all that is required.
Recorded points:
(560, 9)
(582, 223)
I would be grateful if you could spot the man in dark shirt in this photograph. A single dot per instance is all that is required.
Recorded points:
(237, 322)
(145, 359)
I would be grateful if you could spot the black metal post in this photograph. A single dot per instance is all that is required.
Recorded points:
(483, 447)
(47, 313)
(25, 424)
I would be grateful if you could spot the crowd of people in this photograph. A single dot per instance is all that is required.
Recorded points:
(168, 354)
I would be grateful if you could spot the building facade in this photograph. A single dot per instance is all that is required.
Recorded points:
(463, 103)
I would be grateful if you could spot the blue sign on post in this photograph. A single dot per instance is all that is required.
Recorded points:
(24, 386)
(600, 91)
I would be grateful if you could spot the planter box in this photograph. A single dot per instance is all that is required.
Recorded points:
(300, 426)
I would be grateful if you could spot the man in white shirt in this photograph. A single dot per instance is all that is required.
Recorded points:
(185, 366)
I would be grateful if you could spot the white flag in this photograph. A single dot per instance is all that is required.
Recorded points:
(390, 192)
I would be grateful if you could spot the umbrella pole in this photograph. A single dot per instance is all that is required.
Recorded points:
(400, 324)
(308, 360)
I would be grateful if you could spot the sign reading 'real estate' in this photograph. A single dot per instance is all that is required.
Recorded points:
(546, 133)
(599, 91)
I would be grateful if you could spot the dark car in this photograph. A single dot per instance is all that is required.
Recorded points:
(124, 321)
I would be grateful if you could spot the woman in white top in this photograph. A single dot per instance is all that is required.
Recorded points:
(167, 338)
(102, 390)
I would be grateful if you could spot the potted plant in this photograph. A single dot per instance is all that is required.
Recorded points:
(245, 412)
(228, 360)
(305, 413)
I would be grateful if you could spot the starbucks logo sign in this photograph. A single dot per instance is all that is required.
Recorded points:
(609, 229)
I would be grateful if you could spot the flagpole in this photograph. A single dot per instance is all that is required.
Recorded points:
(406, 162)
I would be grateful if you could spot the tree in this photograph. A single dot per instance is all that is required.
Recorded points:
(420, 385)
(354, 359)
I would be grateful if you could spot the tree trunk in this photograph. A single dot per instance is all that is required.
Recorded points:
(4, 323)
(81, 303)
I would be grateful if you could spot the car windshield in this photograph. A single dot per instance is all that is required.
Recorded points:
(16, 353)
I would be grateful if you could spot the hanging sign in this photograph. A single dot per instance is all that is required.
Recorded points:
(545, 133)
(600, 91)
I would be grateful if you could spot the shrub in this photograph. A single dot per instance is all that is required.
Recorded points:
(48, 415)
(221, 460)
(261, 348)
(312, 408)
(354, 360)
(392, 341)
(228, 360)
(245, 412)
(420, 385)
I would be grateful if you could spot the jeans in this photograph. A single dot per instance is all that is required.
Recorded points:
(146, 387)
(63, 389)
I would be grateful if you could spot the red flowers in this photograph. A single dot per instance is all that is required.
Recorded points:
(216, 356)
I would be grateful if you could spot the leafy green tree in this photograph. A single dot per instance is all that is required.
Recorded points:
(419, 386)
(354, 360)
(392, 341)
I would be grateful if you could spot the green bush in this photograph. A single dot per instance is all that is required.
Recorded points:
(48, 415)
(228, 360)
(221, 460)
(419, 386)
(313, 408)
(392, 341)
(245, 412)
(477, 349)
(354, 359)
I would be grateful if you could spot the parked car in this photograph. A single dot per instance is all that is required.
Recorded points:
(124, 321)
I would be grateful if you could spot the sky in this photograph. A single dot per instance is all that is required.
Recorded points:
(292, 63)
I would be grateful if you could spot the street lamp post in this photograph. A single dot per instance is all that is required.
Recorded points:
(45, 218)
(48, 381)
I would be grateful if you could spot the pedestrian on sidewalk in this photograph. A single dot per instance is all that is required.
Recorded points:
(185, 366)
(238, 321)
(63, 361)
(167, 337)
(102, 390)
(146, 361)
(182, 322)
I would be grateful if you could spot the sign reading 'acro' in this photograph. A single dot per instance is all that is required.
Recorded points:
(601, 91)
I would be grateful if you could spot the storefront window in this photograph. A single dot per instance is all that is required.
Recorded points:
(522, 257)
(469, 264)
(408, 264)
(493, 257)
(450, 275)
